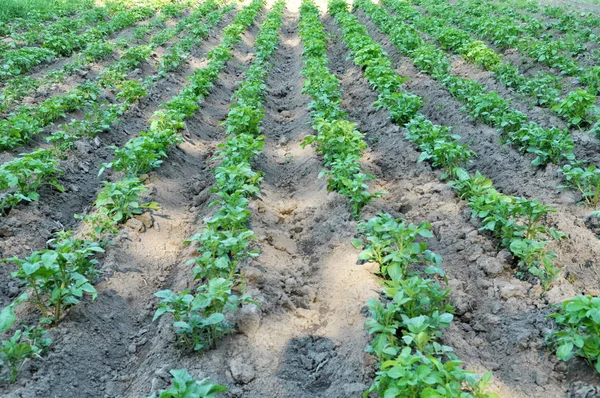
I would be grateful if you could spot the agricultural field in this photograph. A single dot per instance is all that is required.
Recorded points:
(300, 198)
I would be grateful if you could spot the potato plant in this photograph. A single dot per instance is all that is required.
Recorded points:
(202, 319)
(586, 180)
(515, 221)
(63, 43)
(31, 171)
(27, 122)
(185, 386)
(434, 141)
(548, 145)
(408, 320)
(544, 87)
(577, 330)
(59, 277)
(392, 244)
(24, 345)
(337, 139)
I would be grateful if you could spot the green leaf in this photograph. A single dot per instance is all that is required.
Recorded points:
(564, 351)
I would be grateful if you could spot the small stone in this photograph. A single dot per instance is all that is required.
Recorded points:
(146, 219)
(511, 290)
(6, 232)
(285, 244)
(132, 348)
(242, 372)
(290, 283)
(491, 266)
(249, 319)
(135, 225)
(254, 275)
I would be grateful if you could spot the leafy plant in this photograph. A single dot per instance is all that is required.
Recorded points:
(59, 277)
(200, 320)
(24, 345)
(117, 203)
(391, 243)
(578, 333)
(185, 386)
(578, 107)
(585, 180)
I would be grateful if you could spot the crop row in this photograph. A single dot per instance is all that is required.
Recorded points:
(511, 216)
(25, 122)
(408, 321)
(58, 277)
(516, 222)
(23, 85)
(505, 33)
(337, 139)
(549, 145)
(577, 108)
(574, 34)
(567, 19)
(407, 326)
(201, 318)
(22, 60)
(36, 19)
(46, 36)
(22, 177)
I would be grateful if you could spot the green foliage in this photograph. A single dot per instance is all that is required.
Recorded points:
(437, 144)
(516, 221)
(336, 139)
(116, 203)
(584, 179)
(37, 11)
(578, 107)
(407, 321)
(24, 345)
(578, 332)
(59, 276)
(548, 145)
(391, 243)
(200, 319)
(185, 386)
(415, 374)
(23, 176)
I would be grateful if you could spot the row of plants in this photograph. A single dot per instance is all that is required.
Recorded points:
(408, 320)
(505, 33)
(569, 31)
(36, 18)
(516, 222)
(337, 139)
(58, 277)
(202, 317)
(22, 177)
(25, 122)
(549, 145)
(577, 108)
(22, 60)
(45, 35)
(508, 218)
(23, 85)
(565, 15)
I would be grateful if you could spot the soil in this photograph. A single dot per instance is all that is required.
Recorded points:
(304, 337)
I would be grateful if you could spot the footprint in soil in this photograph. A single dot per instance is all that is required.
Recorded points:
(313, 366)
(308, 360)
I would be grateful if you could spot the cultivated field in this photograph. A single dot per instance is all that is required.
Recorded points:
(295, 199)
